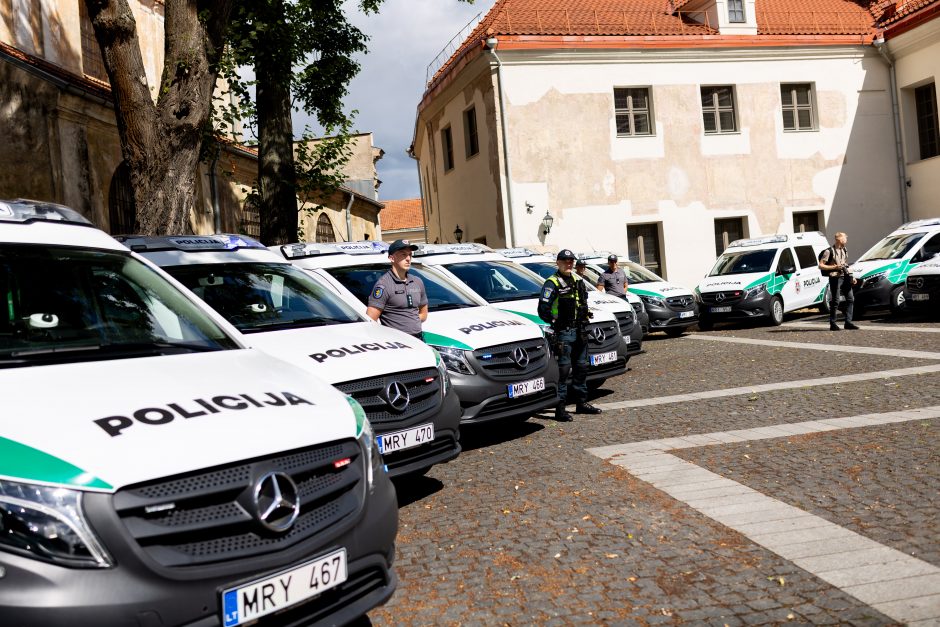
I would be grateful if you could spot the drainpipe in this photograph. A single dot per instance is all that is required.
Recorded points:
(896, 114)
(424, 217)
(214, 191)
(491, 44)
(349, 205)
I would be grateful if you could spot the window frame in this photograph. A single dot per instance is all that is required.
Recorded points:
(740, 220)
(471, 140)
(657, 228)
(928, 147)
(795, 108)
(819, 219)
(811, 261)
(732, 11)
(447, 148)
(716, 110)
(631, 111)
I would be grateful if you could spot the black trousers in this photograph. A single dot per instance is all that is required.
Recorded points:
(841, 285)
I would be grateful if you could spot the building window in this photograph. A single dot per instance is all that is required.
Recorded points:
(470, 138)
(797, 101)
(726, 231)
(250, 221)
(806, 221)
(92, 62)
(325, 231)
(632, 111)
(736, 11)
(718, 109)
(447, 147)
(643, 244)
(122, 211)
(928, 130)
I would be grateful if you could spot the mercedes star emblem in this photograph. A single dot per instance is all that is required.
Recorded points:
(720, 297)
(598, 334)
(919, 282)
(396, 395)
(520, 357)
(276, 501)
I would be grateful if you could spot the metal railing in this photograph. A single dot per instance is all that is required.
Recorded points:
(452, 46)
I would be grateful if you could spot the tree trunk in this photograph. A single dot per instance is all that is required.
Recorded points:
(161, 141)
(277, 175)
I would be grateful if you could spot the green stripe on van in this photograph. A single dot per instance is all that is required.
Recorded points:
(442, 340)
(24, 462)
(639, 292)
(527, 316)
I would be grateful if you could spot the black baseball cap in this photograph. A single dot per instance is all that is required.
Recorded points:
(565, 253)
(611, 257)
(400, 244)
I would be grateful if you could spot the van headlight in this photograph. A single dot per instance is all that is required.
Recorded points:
(874, 279)
(442, 369)
(367, 444)
(455, 360)
(47, 523)
(652, 301)
(757, 290)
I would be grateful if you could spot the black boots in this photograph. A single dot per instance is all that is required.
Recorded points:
(561, 414)
(586, 408)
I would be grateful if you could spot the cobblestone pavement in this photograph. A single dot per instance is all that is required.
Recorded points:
(888, 338)
(527, 527)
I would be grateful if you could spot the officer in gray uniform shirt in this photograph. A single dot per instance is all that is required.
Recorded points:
(613, 280)
(398, 299)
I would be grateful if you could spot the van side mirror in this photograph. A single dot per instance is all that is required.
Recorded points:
(786, 270)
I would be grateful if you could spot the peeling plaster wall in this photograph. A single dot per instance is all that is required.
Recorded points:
(917, 61)
(567, 158)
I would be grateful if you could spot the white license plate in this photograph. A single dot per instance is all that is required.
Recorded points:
(920, 296)
(526, 387)
(686, 314)
(603, 358)
(252, 601)
(399, 440)
(720, 309)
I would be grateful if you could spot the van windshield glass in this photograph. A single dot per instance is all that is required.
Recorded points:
(63, 305)
(637, 273)
(443, 294)
(497, 281)
(744, 262)
(892, 247)
(264, 296)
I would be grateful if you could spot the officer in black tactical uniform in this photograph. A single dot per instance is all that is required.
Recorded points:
(564, 305)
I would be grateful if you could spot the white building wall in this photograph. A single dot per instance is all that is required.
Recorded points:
(566, 157)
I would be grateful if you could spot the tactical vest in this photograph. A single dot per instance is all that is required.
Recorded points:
(565, 308)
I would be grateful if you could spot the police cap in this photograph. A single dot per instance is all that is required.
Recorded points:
(565, 253)
(400, 244)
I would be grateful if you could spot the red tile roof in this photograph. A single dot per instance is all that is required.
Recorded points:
(889, 12)
(636, 23)
(402, 214)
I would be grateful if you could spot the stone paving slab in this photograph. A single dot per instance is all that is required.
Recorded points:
(823, 346)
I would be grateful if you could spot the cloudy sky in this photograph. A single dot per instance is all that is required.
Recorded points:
(405, 35)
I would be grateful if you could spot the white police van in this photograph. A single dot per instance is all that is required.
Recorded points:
(627, 312)
(399, 380)
(764, 278)
(923, 287)
(883, 269)
(154, 470)
(499, 363)
(500, 282)
(671, 308)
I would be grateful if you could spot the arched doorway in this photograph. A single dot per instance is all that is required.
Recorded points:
(325, 232)
(122, 213)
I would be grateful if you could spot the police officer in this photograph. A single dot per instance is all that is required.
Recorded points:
(613, 280)
(398, 299)
(563, 304)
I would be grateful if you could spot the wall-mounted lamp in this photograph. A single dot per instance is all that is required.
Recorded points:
(458, 234)
(547, 222)
(529, 207)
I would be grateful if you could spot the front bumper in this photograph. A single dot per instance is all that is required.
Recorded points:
(739, 308)
(444, 447)
(874, 294)
(140, 592)
(605, 371)
(669, 316)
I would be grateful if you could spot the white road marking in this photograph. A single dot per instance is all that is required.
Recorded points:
(899, 586)
(771, 387)
(864, 350)
(866, 327)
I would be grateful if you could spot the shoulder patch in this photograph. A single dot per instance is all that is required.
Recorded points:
(378, 291)
(546, 293)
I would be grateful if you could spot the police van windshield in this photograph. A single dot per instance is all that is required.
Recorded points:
(62, 305)
(744, 262)
(637, 273)
(893, 247)
(497, 281)
(542, 268)
(259, 297)
(442, 294)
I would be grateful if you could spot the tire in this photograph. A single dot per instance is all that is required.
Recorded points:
(824, 305)
(776, 311)
(675, 331)
(595, 384)
(898, 302)
(706, 324)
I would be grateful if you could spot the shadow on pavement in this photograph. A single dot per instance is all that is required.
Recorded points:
(412, 489)
(473, 437)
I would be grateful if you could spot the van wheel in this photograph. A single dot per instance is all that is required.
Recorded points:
(898, 301)
(824, 305)
(776, 311)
